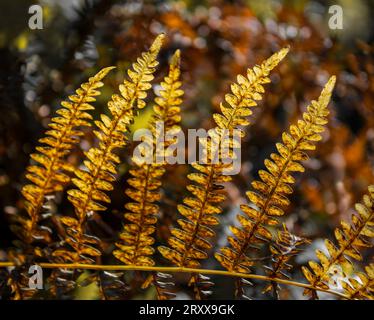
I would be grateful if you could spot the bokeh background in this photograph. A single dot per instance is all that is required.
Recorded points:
(218, 39)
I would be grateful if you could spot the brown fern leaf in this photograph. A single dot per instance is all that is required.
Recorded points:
(350, 239)
(189, 243)
(285, 247)
(50, 174)
(96, 180)
(135, 247)
(270, 195)
(363, 287)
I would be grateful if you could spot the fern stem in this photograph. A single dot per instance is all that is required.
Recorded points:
(177, 270)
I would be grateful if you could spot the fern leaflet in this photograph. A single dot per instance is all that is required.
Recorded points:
(363, 287)
(285, 247)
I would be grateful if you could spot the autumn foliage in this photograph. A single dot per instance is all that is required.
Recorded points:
(93, 215)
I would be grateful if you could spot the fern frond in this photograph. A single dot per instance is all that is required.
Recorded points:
(135, 247)
(93, 183)
(189, 243)
(268, 200)
(351, 237)
(285, 247)
(49, 175)
(363, 287)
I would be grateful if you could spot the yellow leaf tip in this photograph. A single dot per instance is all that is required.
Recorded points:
(103, 72)
(157, 43)
(332, 80)
(175, 59)
(283, 52)
(329, 86)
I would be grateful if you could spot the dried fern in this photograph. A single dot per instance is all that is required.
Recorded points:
(189, 243)
(136, 242)
(101, 161)
(285, 247)
(135, 246)
(270, 195)
(50, 174)
(350, 239)
(363, 287)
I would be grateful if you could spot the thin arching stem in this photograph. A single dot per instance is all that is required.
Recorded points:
(176, 270)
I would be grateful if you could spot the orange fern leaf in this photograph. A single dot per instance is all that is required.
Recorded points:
(93, 183)
(50, 175)
(136, 242)
(189, 243)
(270, 195)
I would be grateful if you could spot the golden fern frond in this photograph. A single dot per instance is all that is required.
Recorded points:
(363, 287)
(189, 243)
(93, 183)
(350, 239)
(245, 93)
(49, 175)
(135, 247)
(270, 195)
(285, 247)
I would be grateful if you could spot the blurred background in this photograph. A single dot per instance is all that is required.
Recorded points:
(218, 40)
